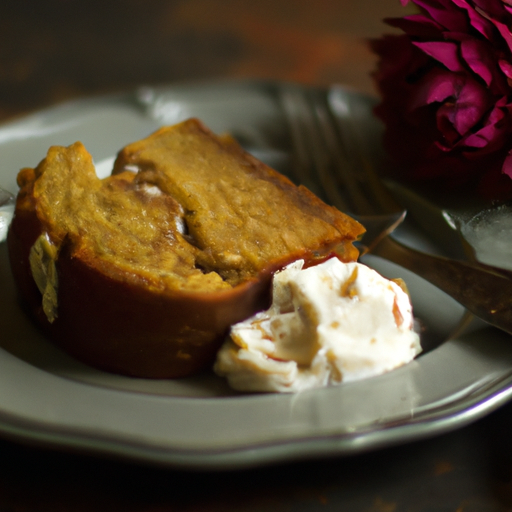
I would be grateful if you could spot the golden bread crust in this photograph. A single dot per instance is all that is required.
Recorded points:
(143, 272)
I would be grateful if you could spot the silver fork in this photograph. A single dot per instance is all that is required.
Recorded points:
(328, 159)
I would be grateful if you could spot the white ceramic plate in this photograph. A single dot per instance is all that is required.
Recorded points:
(47, 397)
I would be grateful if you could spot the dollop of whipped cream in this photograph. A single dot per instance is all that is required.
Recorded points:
(331, 323)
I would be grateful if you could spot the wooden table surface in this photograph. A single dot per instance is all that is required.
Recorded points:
(57, 50)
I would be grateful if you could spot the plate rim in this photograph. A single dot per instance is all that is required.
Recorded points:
(396, 431)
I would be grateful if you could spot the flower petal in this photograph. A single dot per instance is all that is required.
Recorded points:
(398, 59)
(447, 96)
(492, 132)
(417, 25)
(447, 53)
(466, 100)
(435, 87)
(504, 32)
(493, 9)
(477, 57)
(451, 19)
(479, 22)
(507, 165)
(445, 117)
(506, 67)
(470, 105)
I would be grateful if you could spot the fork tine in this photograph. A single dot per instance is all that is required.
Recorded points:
(478, 288)
(313, 162)
(321, 154)
(340, 175)
(330, 152)
(326, 159)
(299, 118)
(344, 114)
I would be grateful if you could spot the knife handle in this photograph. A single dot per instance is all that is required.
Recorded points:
(481, 289)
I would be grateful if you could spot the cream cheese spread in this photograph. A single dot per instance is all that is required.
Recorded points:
(331, 323)
(7, 203)
(42, 258)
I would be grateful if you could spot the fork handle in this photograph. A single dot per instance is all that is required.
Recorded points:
(484, 293)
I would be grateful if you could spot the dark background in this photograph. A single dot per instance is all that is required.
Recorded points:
(54, 50)
(57, 50)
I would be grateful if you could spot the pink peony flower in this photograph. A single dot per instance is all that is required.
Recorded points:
(446, 91)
